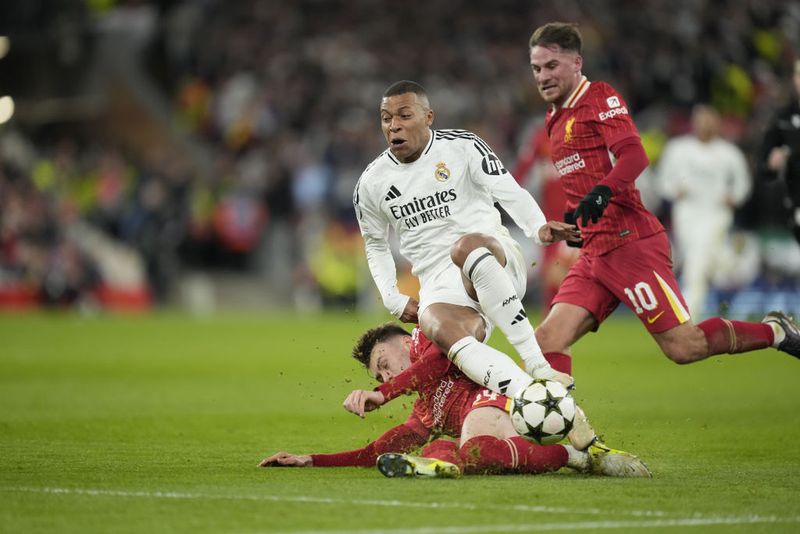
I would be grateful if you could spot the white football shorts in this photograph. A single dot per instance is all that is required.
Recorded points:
(447, 286)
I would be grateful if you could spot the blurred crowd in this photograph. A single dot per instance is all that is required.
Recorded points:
(282, 98)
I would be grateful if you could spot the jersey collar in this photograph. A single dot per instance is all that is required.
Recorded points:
(577, 93)
(427, 149)
(430, 143)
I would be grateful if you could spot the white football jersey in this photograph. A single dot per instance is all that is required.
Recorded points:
(703, 176)
(449, 191)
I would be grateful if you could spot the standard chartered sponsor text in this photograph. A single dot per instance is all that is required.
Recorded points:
(569, 164)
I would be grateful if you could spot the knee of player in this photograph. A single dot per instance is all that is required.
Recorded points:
(464, 245)
(681, 354)
(548, 339)
(436, 331)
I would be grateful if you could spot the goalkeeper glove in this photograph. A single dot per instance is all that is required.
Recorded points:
(593, 204)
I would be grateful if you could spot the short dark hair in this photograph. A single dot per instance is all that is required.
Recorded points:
(363, 349)
(405, 86)
(563, 34)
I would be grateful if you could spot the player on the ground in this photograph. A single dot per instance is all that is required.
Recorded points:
(437, 190)
(451, 404)
(625, 254)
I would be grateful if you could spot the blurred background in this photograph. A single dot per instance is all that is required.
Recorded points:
(201, 154)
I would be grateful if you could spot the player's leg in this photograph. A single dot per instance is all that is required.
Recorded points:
(458, 330)
(689, 343)
(439, 459)
(564, 325)
(695, 274)
(640, 274)
(489, 444)
(578, 308)
(445, 450)
(580, 305)
(700, 245)
(483, 261)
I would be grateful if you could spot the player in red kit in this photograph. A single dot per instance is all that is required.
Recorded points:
(557, 258)
(625, 255)
(449, 403)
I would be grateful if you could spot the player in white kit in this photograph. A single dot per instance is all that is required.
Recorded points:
(705, 177)
(437, 189)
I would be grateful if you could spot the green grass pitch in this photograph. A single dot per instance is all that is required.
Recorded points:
(155, 424)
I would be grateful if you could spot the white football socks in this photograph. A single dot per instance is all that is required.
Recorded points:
(779, 334)
(577, 460)
(500, 302)
(488, 366)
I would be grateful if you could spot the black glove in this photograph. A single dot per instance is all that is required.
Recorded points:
(593, 204)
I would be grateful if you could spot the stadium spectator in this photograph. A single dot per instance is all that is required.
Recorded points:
(779, 154)
(625, 253)
(243, 92)
(706, 178)
(451, 404)
(436, 190)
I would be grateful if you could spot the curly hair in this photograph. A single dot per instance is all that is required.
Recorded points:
(363, 348)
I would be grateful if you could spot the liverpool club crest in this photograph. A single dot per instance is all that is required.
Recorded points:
(568, 130)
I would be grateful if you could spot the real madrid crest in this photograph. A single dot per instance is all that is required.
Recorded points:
(442, 173)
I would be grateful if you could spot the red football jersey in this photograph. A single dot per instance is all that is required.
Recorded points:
(581, 132)
(446, 395)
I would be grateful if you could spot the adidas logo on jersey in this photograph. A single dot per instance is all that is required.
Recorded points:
(393, 194)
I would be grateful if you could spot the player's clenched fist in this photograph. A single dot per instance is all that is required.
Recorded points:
(593, 205)
(360, 401)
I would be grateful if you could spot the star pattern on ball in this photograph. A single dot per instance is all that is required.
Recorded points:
(520, 403)
(550, 404)
(536, 432)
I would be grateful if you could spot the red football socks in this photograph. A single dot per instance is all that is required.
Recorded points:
(733, 337)
(559, 361)
(488, 454)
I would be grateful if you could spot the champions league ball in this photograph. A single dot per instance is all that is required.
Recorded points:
(543, 412)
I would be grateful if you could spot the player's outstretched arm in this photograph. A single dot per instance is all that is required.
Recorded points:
(631, 161)
(361, 401)
(554, 231)
(287, 459)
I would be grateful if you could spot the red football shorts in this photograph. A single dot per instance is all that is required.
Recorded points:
(486, 397)
(639, 274)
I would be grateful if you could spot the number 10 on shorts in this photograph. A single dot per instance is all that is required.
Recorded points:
(642, 297)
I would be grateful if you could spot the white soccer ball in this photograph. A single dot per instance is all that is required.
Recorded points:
(543, 412)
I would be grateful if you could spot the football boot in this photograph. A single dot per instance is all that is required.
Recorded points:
(405, 465)
(791, 340)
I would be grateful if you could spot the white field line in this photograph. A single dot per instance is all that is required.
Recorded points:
(391, 503)
(662, 521)
(582, 525)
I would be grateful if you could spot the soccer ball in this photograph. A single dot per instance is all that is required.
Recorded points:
(543, 412)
